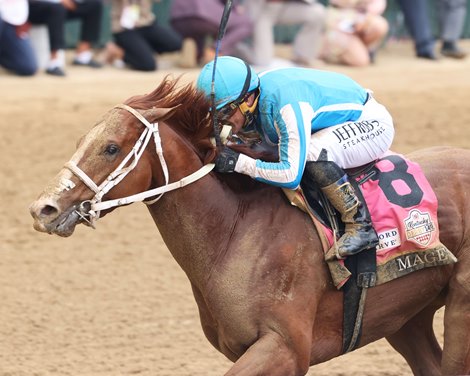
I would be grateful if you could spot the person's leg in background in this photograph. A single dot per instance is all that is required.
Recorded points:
(344, 48)
(264, 16)
(53, 15)
(239, 28)
(451, 14)
(90, 13)
(161, 39)
(419, 26)
(16, 52)
(138, 53)
(198, 30)
(307, 41)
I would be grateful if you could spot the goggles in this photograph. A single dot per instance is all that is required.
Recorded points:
(227, 111)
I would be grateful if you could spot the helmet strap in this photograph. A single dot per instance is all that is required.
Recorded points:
(248, 111)
(246, 84)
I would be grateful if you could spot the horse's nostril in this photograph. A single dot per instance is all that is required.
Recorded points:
(44, 209)
(48, 210)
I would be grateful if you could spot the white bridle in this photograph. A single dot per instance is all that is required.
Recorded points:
(90, 210)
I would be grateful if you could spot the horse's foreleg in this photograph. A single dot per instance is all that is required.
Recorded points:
(416, 342)
(272, 356)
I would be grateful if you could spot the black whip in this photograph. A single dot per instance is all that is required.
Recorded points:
(220, 35)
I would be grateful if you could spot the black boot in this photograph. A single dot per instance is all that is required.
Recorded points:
(333, 181)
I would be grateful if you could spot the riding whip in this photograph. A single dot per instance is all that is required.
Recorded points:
(220, 35)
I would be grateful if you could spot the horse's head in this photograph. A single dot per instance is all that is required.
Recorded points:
(124, 146)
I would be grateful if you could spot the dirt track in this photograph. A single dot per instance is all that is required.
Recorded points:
(113, 301)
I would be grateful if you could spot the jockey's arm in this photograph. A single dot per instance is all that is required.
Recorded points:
(293, 128)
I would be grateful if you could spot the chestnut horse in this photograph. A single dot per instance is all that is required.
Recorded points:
(256, 266)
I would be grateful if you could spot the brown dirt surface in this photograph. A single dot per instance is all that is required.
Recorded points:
(112, 301)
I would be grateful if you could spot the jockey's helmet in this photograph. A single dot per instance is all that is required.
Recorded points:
(233, 80)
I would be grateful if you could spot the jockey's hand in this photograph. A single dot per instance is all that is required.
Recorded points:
(226, 160)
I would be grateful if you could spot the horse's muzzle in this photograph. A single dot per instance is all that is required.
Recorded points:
(48, 218)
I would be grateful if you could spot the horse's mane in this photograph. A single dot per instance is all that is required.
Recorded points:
(192, 117)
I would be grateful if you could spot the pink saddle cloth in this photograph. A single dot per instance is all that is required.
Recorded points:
(403, 209)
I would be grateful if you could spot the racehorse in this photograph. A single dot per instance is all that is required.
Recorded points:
(255, 263)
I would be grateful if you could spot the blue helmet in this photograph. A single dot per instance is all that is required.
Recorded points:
(233, 80)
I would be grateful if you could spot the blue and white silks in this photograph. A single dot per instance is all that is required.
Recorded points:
(294, 103)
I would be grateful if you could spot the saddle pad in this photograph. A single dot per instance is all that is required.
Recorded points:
(403, 209)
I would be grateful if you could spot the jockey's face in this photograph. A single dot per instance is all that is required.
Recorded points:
(238, 119)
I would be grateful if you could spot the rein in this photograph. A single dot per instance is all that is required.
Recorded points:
(89, 210)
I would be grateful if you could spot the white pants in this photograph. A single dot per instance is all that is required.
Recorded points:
(354, 144)
(266, 15)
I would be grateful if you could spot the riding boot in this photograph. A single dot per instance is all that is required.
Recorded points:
(333, 181)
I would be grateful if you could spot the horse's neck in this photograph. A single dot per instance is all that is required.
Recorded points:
(194, 221)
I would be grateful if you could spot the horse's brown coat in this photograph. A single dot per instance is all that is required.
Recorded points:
(264, 294)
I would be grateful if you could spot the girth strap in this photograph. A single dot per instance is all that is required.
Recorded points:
(363, 267)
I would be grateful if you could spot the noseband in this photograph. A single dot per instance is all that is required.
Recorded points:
(89, 210)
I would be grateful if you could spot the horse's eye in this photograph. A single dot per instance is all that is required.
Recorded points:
(112, 149)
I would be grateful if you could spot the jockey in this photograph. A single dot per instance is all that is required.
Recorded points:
(322, 123)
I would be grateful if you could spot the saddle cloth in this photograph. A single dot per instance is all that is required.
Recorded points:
(403, 209)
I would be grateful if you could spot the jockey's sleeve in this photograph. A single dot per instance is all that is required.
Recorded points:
(293, 127)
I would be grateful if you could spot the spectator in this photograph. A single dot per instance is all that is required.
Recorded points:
(418, 24)
(451, 16)
(16, 52)
(200, 19)
(354, 31)
(269, 13)
(137, 35)
(54, 13)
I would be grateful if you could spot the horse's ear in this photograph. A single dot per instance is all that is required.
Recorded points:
(154, 114)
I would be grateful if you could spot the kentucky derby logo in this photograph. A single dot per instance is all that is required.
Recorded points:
(419, 228)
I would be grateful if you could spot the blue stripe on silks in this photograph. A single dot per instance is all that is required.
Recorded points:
(328, 118)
